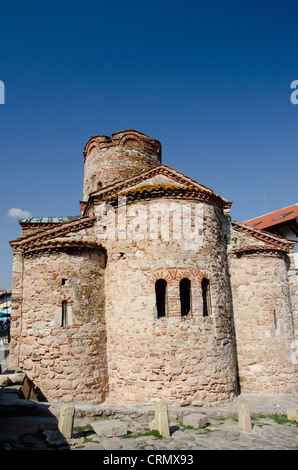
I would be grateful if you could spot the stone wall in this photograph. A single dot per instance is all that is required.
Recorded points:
(183, 360)
(66, 362)
(263, 317)
(293, 281)
(108, 160)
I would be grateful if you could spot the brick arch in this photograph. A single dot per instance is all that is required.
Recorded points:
(160, 273)
(93, 145)
(131, 140)
(172, 275)
(66, 299)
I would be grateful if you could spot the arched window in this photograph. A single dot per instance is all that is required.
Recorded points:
(64, 316)
(185, 296)
(160, 292)
(206, 297)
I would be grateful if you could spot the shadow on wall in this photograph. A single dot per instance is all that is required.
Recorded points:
(238, 384)
(25, 423)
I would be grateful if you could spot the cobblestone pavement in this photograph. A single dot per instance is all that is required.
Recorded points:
(221, 434)
(273, 432)
(28, 425)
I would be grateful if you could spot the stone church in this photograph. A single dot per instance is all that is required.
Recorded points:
(153, 292)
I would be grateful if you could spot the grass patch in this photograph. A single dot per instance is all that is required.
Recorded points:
(82, 429)
(279, 419)
(282, 419)
(256, 418)
(84, 432)
(206, 430)
(183, 427)
(153, 433)
(221, 420)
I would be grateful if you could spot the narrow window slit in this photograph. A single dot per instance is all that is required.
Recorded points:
(185, 296)
(206, 297)
(64, 317)
(275, 319)
(160, 292)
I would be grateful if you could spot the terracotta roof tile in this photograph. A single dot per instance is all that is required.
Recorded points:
(274, 218)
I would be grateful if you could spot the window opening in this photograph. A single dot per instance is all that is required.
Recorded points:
(206, 297)
(275, 319)
(64, 318)
(160, 292)
(185, 296)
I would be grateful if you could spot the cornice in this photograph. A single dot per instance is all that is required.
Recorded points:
(258, 250)
(21, 244)
(127, 187)
(275, 240)
(61, 245)
(168, 192)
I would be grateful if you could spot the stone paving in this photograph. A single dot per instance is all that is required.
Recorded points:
(221, 434)
(33, 426)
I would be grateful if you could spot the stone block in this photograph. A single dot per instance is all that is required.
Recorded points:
(197, 420)
(66, 420)
(161, 419)
(13, 378)
(110, 428)
(292, 414)
(244, 421)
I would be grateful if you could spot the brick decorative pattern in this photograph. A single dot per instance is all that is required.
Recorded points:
(183, 360)
(108, 160)
(115, 348)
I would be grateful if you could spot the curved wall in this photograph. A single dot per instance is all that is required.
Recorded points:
(181, 359)
(66, 362)
(109, 160)
(263, 321)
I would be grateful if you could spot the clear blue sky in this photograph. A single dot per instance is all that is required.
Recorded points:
(209, 79)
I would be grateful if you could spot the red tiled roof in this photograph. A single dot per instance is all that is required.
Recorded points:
(274, 218)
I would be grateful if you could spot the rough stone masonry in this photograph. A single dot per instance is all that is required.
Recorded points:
(153, 292)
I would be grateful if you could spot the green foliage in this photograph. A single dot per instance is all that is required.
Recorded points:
(153, 432)
(84, 431)
(282, 419)
(183, 427)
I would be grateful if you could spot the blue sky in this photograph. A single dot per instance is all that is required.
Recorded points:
(210, 80)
